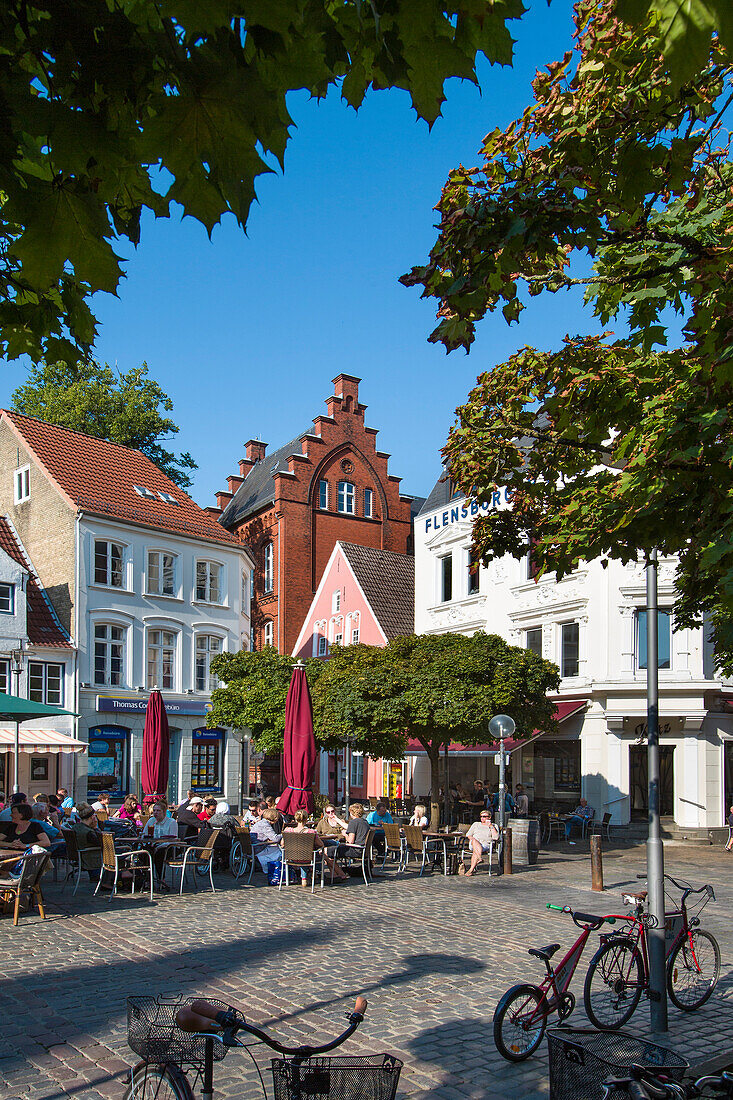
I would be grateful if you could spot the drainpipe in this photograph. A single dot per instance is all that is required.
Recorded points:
(77, 620)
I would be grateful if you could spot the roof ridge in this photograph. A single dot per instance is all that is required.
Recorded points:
(84, 435)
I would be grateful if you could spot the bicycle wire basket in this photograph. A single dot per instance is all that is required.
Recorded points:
(152, 1031)
(582, 1059)
(344, 1078)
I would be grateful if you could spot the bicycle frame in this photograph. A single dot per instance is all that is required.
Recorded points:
(558, 978)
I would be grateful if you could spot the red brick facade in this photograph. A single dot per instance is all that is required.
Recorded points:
(283, 509)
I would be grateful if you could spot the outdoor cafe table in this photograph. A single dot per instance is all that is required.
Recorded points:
(450, 842)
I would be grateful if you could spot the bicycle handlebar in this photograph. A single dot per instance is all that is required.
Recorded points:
(204, 1018)
(583, 920)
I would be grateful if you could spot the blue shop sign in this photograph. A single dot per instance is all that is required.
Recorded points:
(459, 512)
(121, 705)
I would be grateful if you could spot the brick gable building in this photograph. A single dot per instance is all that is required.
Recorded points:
(291, 506)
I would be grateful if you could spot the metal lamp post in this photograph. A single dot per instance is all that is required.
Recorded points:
(501, 726)
(654, 849)
(349, 741)
(16, 665)
(243, 737)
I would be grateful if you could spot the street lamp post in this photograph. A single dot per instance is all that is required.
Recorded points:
(243, 737)
(347, 770)
(654, 848)
(501, 726)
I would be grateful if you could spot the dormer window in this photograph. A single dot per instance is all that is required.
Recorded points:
(22, 484)
(143, 491)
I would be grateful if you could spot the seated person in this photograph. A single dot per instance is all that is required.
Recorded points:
(252, 814)
(160, 830)
(420, 816)
(265, 840)
(130, 810)
(16, 799)
(88, 836)
(301, 817)
(480, 836)
(331, 828)
(55, 812)
(223, 817)
(478, 796)
(190, 793)
(188, 820)
(521, 801)
(39, 811)
(270, 804)
(102, 803)
(22, 830)
(357, 831)
(582, 814)
(377, 817)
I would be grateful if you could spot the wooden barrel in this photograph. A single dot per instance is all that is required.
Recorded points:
(525, 840)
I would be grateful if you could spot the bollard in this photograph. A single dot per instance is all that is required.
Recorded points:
(596, 863)
(507, 851)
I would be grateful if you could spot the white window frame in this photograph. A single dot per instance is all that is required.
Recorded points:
(442, 597)
(268, 570)
(108, 680)
(10, 609)
(323, 494)
(209, 565)
(368, 503)
(268, 633)
(5, 684)
(347, 498)
(322, 645)
(244, 591)
(336, 602)
(47, 697)
(338, 639)
(162, 554)
(208, 682)
(109, 571)
(355, 636)
(22, 484)
(160, 647)
(357, 769)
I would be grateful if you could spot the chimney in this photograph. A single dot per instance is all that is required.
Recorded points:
(256, 450)
(223, 498)
(245, 465)
(212, 511)
(234, 481)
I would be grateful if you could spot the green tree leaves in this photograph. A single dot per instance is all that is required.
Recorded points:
(96, 400)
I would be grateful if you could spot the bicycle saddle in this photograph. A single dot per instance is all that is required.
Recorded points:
(544, 953)
(640, 896)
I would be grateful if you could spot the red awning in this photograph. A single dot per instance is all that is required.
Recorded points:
(564, 709)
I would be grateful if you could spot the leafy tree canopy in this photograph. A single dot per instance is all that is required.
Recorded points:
(435, 688)
(97, 400)
(98, 97)
(616, 179)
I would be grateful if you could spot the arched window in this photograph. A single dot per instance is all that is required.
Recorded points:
(267, 568)
(269, 633)
(347, 496)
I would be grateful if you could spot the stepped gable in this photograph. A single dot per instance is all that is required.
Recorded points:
(100, 477)
(258, 486)
(44, 629)
(388, 582)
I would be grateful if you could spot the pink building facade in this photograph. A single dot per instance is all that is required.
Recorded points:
(366, 597)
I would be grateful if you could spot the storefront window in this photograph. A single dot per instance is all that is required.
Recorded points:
(556, 773)
(108, 760)
(207, 760)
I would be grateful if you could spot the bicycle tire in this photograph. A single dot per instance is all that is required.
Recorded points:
(510, 1030)
(613, 984)
(152, 1082)
(691, 978)
(237, 860)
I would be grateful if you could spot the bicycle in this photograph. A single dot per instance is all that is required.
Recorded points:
(180, 1039)
(521, 1016)
(641, 1083)
(619, 971)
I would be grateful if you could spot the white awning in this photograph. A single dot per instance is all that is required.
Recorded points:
(37, 741)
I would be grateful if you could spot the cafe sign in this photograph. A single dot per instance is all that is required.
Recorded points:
(121, 704)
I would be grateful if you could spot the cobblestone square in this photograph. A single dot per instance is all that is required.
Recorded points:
(432, 954)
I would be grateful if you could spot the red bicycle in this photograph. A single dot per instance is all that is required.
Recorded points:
(619, 971)
(522, 1013)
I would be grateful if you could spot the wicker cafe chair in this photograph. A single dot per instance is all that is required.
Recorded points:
(114, 861)
(74, 854)
(352, 852)
(241, 855)
(299, 851)
(394, 844)
(195, 856)
(415, 844)
(29, 882)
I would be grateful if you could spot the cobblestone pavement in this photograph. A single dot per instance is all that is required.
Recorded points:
(433, 955)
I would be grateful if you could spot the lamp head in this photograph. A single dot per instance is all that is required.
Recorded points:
(501, 726)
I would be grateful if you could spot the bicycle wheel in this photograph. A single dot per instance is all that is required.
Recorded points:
(519, 1022)
(149, 1082)
(613, 984)
(693, 970)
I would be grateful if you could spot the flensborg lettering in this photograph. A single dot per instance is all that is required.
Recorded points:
(459, 512)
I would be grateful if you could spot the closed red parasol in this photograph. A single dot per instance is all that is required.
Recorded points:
(300, 747)
(156, 742)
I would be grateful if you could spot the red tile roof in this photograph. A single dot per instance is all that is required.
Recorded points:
(100, 477)
(43, 627)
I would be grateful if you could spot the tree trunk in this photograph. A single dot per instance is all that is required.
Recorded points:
(433, 752)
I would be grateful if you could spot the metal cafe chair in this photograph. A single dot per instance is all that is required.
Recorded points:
(241, 855)
(196, 857)
(74, 856)
(300, 852)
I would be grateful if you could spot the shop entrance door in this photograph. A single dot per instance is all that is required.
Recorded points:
(639, 781)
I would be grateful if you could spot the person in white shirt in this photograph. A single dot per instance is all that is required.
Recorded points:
(102, 803)
(160, 830)
(420, 816)
(481, 836)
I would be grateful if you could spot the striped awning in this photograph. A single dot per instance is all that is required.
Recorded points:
(35, 742)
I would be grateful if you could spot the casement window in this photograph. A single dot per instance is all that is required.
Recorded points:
(269, 634)
(7, 598)
(664, 639)
(109, 655)
(109, 559)
(446, 578)
(533, 640)
(5, 685)
(322, 646)
(355, 636)
(161, 573)
(570, 649)
(368, 503)
(268, 571)
(323, 494)
(472, 577)
(21, 484)
(208, 646)
(46, 683)
(336, 601)
(347, 497)
(208, 582)
(244, 591)
(161, 660)
(357, 769)
(338, 639)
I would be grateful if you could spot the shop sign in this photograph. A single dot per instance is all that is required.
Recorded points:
(459, 512)
(118, 704)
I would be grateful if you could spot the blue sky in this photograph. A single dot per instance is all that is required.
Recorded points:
(246, 332)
